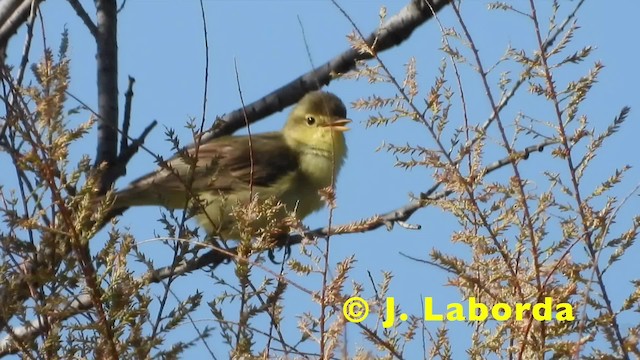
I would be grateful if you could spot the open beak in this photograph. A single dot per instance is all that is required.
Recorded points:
(339, 125)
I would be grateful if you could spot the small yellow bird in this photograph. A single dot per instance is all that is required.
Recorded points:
(289, 166)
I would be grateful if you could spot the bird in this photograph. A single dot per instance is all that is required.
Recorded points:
(289, 166)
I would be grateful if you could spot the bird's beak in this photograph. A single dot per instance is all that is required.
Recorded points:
(339, 125)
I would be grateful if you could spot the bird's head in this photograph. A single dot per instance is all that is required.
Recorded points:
(318, 121)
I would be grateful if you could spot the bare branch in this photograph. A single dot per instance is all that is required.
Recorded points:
(107, 63)
(126, 122)
(84, 16)
(393, 32)
(13, 13)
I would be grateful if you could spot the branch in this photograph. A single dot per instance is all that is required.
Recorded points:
(391, 33)
(82, 13)
(107, 63)
(34, 328)
(13, 13)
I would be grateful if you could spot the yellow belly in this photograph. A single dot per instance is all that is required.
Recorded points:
(295, 192)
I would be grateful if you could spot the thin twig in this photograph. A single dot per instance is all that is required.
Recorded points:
(84, 16)
(126, 122)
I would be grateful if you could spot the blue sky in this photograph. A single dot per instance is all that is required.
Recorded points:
(161, 45)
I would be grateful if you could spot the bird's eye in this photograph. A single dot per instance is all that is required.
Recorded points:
(310, 120)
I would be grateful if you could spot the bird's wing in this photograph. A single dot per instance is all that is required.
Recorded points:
(225, 163)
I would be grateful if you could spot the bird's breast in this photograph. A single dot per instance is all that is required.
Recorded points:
(320, 168)
(316, 171)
